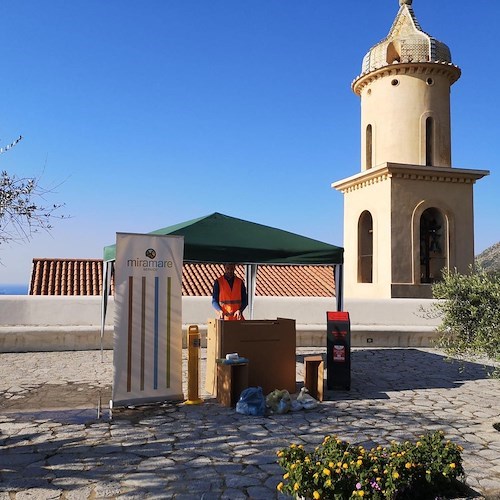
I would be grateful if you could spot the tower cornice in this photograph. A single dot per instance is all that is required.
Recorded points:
(450, 70)
(388, 171)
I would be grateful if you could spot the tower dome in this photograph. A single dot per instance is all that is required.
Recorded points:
(406, 43)
(405, 96)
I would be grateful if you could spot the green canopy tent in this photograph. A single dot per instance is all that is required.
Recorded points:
(220, 238)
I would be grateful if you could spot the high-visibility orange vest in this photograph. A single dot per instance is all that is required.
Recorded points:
(230, 298)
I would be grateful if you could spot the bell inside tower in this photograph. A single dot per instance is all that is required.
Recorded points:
(432, 245)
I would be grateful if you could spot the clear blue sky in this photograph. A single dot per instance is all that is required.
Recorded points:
(148, 113)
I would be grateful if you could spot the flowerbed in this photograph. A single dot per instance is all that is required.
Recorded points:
(338, 470)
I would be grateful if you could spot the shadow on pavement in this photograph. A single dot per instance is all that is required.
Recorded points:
(374, 372)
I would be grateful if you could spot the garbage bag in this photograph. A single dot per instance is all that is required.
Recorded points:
(279, 401)
(306, 400)
(252, 402)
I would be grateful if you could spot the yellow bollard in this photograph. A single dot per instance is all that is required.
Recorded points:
(194, 345)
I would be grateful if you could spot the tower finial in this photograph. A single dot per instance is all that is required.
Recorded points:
(405, 2)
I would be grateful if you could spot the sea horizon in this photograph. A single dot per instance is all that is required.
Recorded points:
(13, 289)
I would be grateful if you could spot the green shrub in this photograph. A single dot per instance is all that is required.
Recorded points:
(470, 312)
(339, 470)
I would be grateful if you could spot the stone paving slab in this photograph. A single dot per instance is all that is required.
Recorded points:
(58, 439)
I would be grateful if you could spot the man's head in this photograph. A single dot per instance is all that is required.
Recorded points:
(229, 270)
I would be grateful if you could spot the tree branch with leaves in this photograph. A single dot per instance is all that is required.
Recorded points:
(24, 208)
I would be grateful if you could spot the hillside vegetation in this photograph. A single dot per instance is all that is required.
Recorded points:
(489, 260)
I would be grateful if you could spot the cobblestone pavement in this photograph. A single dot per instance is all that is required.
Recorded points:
(59, 441)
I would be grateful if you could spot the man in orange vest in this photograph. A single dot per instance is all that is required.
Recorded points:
(229, 295)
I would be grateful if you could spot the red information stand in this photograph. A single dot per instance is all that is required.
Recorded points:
(338, 353)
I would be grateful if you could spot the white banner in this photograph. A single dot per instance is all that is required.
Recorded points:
(147, 355)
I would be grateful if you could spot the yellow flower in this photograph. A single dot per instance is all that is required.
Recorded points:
(279, 487)
(408, 465)
(293, 466)
(339, 441)
(359, 463)
(452, 465)
(338, 471)
(296, 486)
(395, 475)
(326, 471)
(339, 464)
(286, 476)
(316, 495)
(419, 443)
(346, 453)
(328, 483)
(300, 447)
(327, 438)
(331, 465)
(316, 475)
(280, 453)
(292, 445)
(345, 466)
(361, 493)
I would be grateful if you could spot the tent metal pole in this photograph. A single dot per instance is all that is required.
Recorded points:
(250, 279)
(339, 286)
(104, 302)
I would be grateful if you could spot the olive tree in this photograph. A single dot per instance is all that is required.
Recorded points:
(24, 208)
(469, 306)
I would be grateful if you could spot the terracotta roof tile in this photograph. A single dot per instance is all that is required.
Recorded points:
(84, 277)
(66, 277)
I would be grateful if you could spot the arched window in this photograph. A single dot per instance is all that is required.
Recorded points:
(393, 53)
(429, 141)
(365, 248)
(369, 147)
(433, 244)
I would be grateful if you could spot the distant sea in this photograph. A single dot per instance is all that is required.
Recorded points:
(13, 289)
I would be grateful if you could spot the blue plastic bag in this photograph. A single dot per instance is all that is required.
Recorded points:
(252, 402)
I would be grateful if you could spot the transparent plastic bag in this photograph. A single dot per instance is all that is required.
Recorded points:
(306, 400)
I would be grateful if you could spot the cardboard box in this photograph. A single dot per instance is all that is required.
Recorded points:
(269, 345)
(314, 372)
(232, 380)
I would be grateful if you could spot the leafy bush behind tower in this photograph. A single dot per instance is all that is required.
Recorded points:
(470, 312)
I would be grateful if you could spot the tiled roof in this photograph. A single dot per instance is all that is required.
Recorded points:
(66, 277)
(275, 281)
(84, 277)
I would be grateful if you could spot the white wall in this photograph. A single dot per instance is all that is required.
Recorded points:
(38, 323)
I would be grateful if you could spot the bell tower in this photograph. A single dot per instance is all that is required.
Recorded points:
(408, 213)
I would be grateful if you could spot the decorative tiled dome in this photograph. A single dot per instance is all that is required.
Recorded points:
(406, 43)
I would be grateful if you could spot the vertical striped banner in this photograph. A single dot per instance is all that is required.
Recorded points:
(147, 352)
(169, 296)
